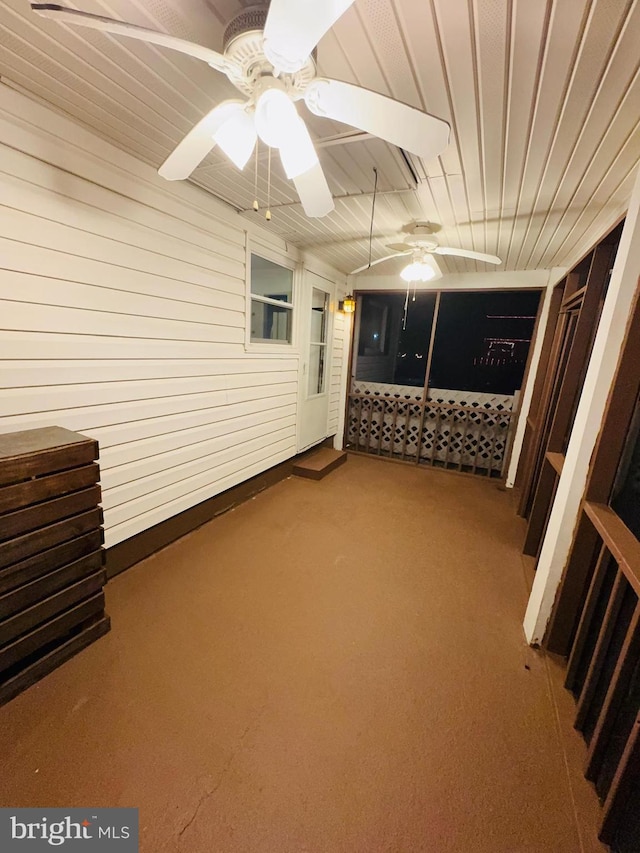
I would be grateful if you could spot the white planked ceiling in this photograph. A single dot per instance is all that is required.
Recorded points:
(543, 97)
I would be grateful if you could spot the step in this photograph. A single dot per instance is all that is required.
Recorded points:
(320, 463)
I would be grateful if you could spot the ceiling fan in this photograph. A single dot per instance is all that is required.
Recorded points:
(420, 242)
(268, 55)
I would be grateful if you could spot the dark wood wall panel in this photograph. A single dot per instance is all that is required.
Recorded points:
(583, 293)
(596, 616)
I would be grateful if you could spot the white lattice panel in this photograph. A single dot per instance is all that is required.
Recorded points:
(382, 389)
(479, 399)
(389, 420)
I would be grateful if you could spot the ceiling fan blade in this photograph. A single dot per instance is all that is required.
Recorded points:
(294, 27)
(373, 263)
(415, 131)
(467, 253)
(400, 247)
(121, 28)
(199, 141)
(314, 192)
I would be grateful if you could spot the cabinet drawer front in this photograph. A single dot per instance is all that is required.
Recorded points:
(19, 651)
(47, 537)
(45, 562)
(53, 485)
(24, 596)
(47, 512)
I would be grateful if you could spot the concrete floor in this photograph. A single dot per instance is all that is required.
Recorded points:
(333, 666)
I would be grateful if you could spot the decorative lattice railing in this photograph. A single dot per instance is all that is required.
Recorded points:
(466, 430)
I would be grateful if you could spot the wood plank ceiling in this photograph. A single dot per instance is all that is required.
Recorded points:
(543, 97)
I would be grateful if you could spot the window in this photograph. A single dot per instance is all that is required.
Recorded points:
(375, 323)
(482, 340)
(393, 348)
(271, 302)
(318, 343)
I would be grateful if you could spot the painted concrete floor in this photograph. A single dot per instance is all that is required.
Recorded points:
(333, 666)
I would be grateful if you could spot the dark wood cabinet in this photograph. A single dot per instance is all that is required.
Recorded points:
(51, 555)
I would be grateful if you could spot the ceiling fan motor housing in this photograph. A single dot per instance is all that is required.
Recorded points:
(250, 19)
(243, 44)
(421, 236)
(426, 244)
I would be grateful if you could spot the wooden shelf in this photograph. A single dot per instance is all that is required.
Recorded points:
(556, 460)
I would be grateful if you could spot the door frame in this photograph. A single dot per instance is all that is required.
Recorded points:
(304, 329)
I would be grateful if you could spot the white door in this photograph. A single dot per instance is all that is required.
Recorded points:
(314, 379)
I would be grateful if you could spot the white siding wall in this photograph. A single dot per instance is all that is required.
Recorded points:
(122, 316)
(342, 332)
(338, 364)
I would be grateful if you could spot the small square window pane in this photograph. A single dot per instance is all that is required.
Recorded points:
(271, 280)
(316, 369)
(319, 309)
(270, 322)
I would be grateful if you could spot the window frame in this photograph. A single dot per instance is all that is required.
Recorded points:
(265, 346)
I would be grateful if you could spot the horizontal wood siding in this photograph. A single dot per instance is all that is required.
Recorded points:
(122, 316)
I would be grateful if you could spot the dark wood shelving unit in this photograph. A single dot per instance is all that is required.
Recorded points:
(574, 316)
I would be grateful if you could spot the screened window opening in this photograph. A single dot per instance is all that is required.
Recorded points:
(391, 348)
(271, 302)
(482, 340)
(437, 375)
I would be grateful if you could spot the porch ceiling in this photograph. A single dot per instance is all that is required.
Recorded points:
(543, 97)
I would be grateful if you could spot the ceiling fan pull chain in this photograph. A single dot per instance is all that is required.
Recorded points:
(267, 215)
(373, 211)
(256, 206)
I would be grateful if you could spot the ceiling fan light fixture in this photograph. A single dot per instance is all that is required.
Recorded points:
(417, 271)
(237, 138)
(276, 115)
(297, 152)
